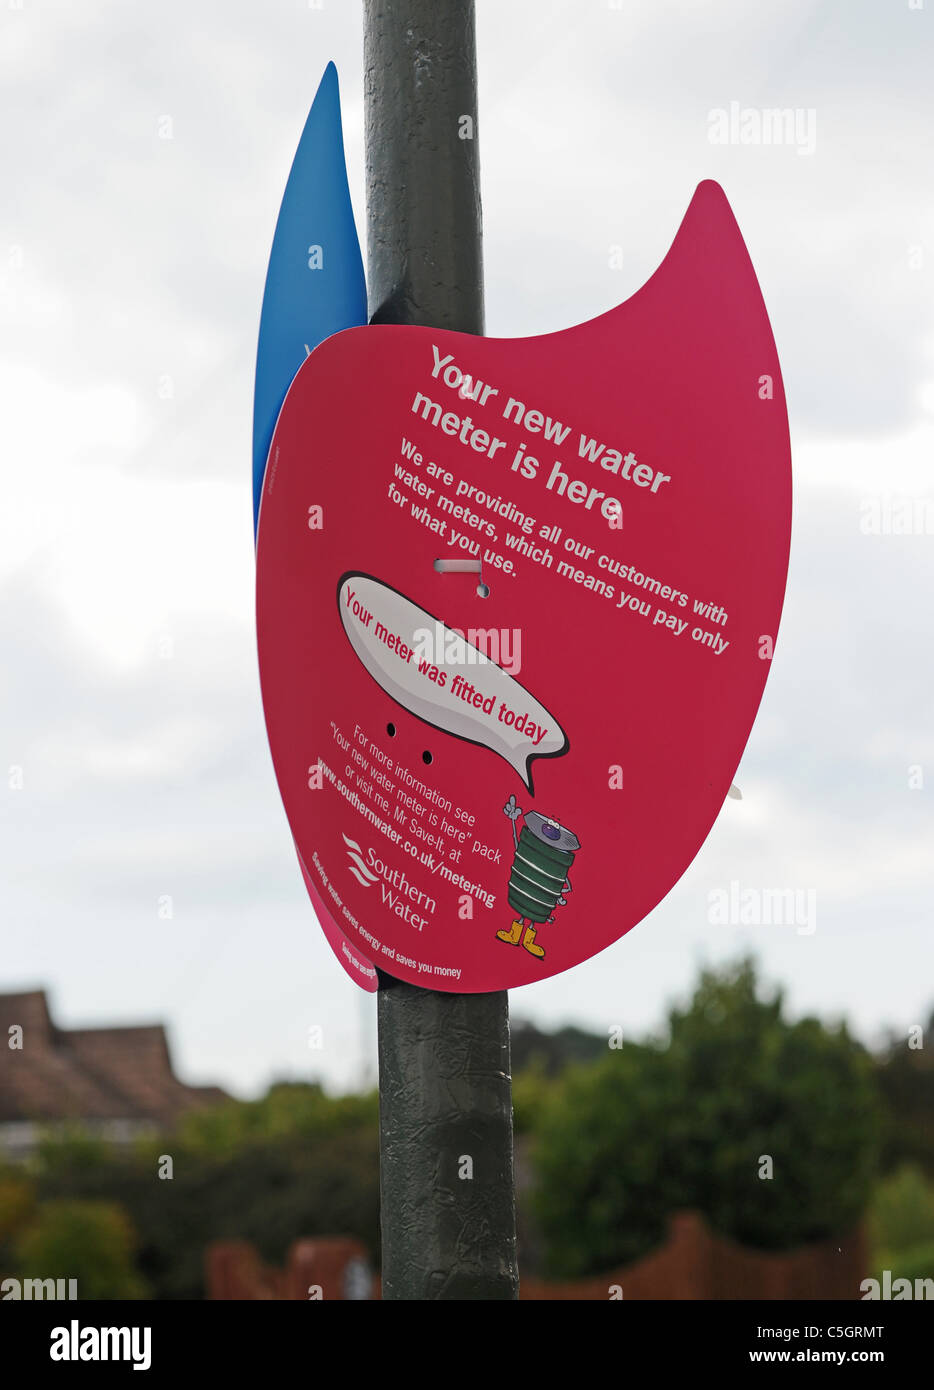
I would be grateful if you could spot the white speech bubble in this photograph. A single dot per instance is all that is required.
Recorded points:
(478, 701)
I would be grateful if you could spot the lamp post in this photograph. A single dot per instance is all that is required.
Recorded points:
(446, 1156)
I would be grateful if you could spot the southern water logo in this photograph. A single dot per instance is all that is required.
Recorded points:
(361, 873)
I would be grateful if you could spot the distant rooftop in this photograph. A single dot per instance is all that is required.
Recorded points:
(88, 1074)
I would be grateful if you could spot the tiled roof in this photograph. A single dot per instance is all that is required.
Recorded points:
(87, 1073)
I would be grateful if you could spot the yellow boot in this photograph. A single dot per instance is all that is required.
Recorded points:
(531, 945)
(511, 937)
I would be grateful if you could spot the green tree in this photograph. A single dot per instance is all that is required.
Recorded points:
(901, 1215)
(295, 1163)
(17, 1207)
(92, 1242)
(17, 1203)
(531, 1088)
(691, 1123)
(70, 1148)
(601, 1196)
(906, 1078)
(550, 1053)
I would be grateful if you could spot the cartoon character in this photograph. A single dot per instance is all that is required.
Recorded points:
(538, 880)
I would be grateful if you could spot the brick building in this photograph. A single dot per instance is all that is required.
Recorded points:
(115, 1083)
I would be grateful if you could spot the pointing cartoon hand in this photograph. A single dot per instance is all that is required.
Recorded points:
(512, 810)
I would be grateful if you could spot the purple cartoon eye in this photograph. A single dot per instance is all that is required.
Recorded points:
(552, 831)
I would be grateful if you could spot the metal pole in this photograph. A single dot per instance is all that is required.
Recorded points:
(446, 1159)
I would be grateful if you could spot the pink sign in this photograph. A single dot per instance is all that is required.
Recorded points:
(491, 777)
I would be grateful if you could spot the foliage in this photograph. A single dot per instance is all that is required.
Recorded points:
(601, 1196)
(92, 1242)
(618, 1141)
(550, 1053)
(289, 1110)
(17, 1203)
(296, 1163)
(651, 1128)
(901, 1215)
(906, 1081)
(916, 1262)
(69, 1148)
(530, 1091)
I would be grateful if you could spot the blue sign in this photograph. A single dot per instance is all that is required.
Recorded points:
(315, 284)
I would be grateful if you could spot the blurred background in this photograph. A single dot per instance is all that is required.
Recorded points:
(150, 890)
(746, 1154)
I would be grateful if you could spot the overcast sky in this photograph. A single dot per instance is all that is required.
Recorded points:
(131, 277)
